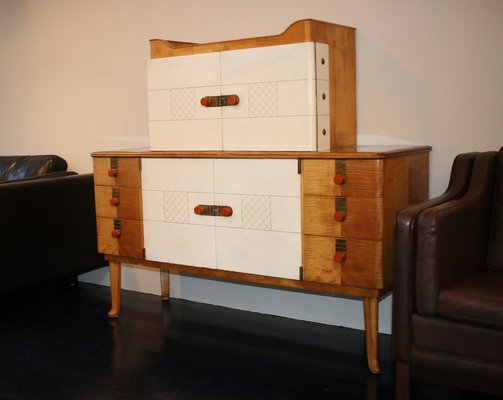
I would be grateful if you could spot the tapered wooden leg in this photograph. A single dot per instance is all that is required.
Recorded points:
(164, 285)
(115, 288)
(371, 314)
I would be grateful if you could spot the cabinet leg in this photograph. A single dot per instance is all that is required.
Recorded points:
(371, 314)
(115, 288)
(164, 285)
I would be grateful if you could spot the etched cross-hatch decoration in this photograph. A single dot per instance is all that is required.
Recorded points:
(183, 104)
(176, 207)
(256, 212)
(263, 99)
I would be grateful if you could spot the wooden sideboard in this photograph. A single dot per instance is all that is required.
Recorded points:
(311, 221)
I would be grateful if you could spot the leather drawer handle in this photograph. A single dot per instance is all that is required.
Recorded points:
(214, 211)
(220, 101)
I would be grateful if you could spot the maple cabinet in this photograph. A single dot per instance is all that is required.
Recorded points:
(316, 221)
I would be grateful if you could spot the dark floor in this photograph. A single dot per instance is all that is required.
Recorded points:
(57, 343)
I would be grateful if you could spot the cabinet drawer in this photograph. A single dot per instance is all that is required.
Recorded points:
(358, 178)
(118, 202)
(117, 171)
(128, 241)
(355, 217)
(361, 263)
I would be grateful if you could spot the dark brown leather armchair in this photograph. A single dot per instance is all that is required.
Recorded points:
(47, 222)
(448, 294)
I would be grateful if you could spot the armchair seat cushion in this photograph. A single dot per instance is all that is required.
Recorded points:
(477, 300)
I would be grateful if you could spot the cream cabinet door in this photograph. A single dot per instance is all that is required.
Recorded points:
(283, 100)
(261, 236)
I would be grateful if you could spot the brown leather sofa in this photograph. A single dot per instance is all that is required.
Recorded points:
(447, 323)
(47, 221)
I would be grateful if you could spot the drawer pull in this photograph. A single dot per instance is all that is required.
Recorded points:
(340, 257)
(116, 233)
(339, 179)
(112, 172)
(214, 211)
(220, 101)
(339, 216)
(340, 250)
(114, 200)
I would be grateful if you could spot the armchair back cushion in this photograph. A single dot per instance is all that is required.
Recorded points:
(453, 237)
(495, 257)
(21, 167)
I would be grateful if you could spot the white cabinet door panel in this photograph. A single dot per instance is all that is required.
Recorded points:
(279, 90)
(286, 214)
(153, 205)
(184, 71)
(259, 177)
(205, 134)
(258, 252)
(180, 243)
(270, 134)
(159, 105)
(177, 174)
(262, 236)
(267, 64)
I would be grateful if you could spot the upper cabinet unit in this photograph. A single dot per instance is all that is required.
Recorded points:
(290, 92)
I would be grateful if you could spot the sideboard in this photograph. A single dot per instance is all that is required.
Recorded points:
(311, 221)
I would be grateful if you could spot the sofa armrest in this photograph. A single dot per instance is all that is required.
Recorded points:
(48, 230)
(49, 175)
(453, 237)
(405, 253)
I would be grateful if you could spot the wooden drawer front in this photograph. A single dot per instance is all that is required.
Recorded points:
(128, 244)
(127, 171)
(355, 217)
(359, 178)
(127, 200)
(362, 266)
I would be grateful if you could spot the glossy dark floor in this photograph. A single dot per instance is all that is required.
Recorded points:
(57, 343)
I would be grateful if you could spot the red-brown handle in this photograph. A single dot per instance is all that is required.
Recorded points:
(212, 210)
(340, 257)
(116, 233)
(220, 101)
(339, 179)
(113, 172)
(114, 201)
(340, 216)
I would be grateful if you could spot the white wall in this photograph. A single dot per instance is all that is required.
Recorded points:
(72, 80)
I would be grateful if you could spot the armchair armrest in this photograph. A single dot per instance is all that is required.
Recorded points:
(48, 230)
(453, 237)
(405, 252)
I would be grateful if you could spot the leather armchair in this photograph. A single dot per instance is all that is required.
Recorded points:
(47, 219)
(448, 295)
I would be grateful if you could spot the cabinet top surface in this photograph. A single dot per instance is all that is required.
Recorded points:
(362, 152)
